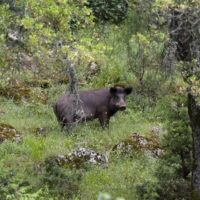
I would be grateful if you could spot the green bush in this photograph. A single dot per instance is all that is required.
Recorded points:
(12, 180)
(112, 10)
(174, 169)
(60, 181)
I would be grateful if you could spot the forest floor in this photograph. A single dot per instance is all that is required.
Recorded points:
(119, 178)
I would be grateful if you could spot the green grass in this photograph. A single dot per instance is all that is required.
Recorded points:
(121, 175)
(26, 160)
(119, 179)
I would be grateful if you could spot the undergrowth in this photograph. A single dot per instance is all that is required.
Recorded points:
(27, 170)
(24, 172)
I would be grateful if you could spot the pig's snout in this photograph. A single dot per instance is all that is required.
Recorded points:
(122, 106)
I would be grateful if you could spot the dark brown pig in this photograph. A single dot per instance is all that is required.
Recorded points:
(97, 103)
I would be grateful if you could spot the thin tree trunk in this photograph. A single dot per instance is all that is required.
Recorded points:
(73, 89)
(194, 113)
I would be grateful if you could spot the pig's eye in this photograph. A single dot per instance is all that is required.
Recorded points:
(116, 97)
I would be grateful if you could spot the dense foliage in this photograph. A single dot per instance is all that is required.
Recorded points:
(39, 35)
(173, 172)
(112, 11)
(151, 46)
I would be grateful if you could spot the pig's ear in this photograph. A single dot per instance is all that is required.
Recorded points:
(128, 90)
(113, 91)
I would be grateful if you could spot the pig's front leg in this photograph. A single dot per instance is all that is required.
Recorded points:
(104, 119)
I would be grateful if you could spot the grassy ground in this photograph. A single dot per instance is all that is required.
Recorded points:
(119, 178)
(22, 167)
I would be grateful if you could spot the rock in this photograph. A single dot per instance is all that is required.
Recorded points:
(36, 130)
(13, 35)
(20, 91)
(8, 132)
(80, 158)
(92, 69)
(16, 91)
(137, 142)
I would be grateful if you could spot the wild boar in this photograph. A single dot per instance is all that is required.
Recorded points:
(96, 103)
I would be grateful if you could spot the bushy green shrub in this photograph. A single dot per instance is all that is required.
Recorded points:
(112, 10)
(24, 194)
(11, 181)
(60, 181)
(174, 170)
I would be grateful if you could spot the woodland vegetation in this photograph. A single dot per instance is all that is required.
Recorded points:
(151, 151)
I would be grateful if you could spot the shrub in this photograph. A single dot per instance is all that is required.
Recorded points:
(174, 169)
(112, 10)
(11, 181)
(60, 181)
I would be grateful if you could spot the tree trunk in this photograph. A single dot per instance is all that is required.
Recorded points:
(73, 89)
(194, 113)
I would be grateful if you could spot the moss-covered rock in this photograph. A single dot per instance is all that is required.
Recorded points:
(36, 130)
(137, 142)
(8, 132)
(20, 91)
(120, 84)
(80, 158)
(16, 91)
